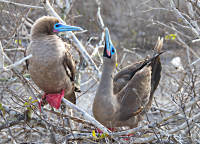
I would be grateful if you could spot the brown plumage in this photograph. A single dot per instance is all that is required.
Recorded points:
(124, 100)
(52, 67)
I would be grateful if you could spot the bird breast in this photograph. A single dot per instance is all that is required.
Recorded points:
(46, 66)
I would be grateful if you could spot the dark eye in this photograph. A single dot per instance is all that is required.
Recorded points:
(113, 50)
(56, 25)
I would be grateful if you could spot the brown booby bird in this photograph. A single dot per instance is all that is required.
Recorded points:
(52, 67)
(123, 101)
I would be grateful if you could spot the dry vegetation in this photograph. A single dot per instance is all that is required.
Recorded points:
(134, 27)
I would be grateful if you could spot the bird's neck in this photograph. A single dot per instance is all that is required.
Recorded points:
(38, 36)
(105, 88)
(106, 81)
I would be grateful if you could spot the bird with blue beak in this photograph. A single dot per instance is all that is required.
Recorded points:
(122, 99)
(52, 67)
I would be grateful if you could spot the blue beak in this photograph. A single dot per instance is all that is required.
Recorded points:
(59, 27)
(109, 49)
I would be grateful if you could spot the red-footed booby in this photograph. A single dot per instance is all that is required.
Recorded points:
(123, 101)
(52, 67)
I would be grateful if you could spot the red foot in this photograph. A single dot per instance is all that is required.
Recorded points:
(53, 99)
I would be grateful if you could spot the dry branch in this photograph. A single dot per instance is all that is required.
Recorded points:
(22, 79)
(86, 116)
(21, 5)
(19, 62)
(184, 19)
(1, 57)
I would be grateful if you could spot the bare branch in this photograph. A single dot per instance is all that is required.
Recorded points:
(22, 79)
(186, 22)
(86, 116)
(19, 62)
(1, 57)
(21, 5)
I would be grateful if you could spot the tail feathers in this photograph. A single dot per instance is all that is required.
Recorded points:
(156, 66)
(148, 62)
(71, 97)
(158, 47)
(156, 71)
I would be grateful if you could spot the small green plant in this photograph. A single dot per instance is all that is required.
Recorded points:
(171, 37)
(16, 41)
(99, 136)
(28, 104)
(27, 75)
(2, 109)
(63, 14)
(180, 20)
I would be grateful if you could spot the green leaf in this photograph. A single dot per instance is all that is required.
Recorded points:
(104, 135)
(29, 112)
(3, 110)
(167, 37)
(0, 106)
(27, 75)
(26, 103)
(19, 41)
(34, 101)
(170, 37)
(94, 134)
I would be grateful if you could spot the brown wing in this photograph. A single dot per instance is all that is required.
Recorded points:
(135, 94)
(123, 77)
(140, 89)
(69, 65)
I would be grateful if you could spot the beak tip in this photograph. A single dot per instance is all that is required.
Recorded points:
(80, 29)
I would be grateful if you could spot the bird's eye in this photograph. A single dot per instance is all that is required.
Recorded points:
(113, 50)
(56, 25)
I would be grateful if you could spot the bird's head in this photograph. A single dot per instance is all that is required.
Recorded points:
(49, 25)
(109, 49)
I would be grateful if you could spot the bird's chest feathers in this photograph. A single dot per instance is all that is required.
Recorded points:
(49, 52)
(47, 55)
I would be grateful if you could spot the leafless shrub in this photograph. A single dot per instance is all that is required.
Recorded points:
(134, 28)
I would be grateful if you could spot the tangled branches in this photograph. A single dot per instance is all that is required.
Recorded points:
(174, 115)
